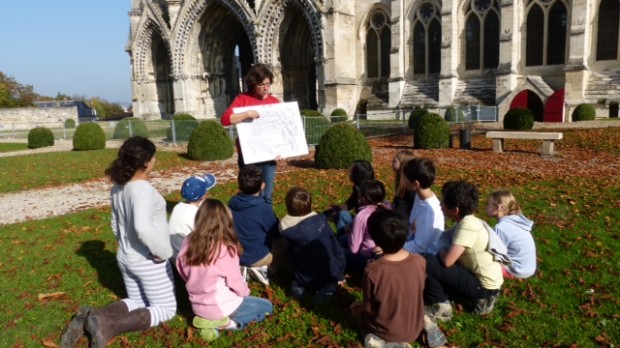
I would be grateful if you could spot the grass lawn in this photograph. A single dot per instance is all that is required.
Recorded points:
(51, 267)
(9, 147)
(64, 167)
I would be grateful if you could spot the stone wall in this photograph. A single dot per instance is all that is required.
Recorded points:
(28, 118)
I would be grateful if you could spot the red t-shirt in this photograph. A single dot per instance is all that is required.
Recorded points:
(245, 99)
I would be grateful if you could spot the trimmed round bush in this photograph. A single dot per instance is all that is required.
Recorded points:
(518, 119)
(184, 125)
(69, 123)
(432, 132)
(454, 115)
(339, 115)
(340, 146)
(40, 137)
(209, 142)
(584, 112)
(88, 136)
(311, 113)
(415, 117)
(138, 127)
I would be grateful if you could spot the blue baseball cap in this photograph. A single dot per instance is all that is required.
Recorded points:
(196, 186)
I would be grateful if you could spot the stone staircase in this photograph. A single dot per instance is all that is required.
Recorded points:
(603, 87)
(379, 97)
(420, 93)
(475, 91)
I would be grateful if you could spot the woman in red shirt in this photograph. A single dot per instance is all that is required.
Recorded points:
(258, 80)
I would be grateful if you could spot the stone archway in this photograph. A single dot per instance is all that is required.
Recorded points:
(221, 37)
(529, 99)
(297, 59)
(163, 82)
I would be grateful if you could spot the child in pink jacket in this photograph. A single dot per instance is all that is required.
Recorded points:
(209, 263)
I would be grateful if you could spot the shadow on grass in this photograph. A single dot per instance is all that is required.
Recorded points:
(104, 261)
(302, 163)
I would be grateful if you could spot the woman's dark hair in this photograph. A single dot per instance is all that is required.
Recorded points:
(257, 74)
(372, 192)
(133, 155)
(361, 171)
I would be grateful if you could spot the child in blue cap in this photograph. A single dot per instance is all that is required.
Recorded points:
(194, 191)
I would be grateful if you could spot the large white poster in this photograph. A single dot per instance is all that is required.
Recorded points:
(277, 132)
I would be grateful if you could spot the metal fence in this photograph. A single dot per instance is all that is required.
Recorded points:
(175, 131)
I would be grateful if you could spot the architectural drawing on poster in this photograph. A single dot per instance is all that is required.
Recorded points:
(277, 132)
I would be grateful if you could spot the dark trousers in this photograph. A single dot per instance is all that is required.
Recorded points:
(455, 280)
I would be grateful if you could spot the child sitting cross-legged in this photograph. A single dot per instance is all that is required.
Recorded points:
(209, 264)
(391, 313)
(318, 260)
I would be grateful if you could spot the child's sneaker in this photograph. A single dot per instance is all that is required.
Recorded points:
(207, 329)
(434, 335)
(485, 306)
(441, 311)
(260, 274)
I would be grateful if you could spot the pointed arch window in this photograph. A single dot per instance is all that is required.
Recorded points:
(378, 43)
(546, 32)
(427, 39)
(482, 35)
(608, 30)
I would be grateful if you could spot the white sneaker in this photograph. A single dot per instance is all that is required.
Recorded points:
(260, 274)
(441, 311)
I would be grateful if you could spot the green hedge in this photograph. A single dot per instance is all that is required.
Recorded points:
(123, 130)
(340, 146)
(518, 119)
(432, 132)
(584, 112)
(88, 136)
(209, 142)
(184, 125)
(415, 117)
(40, 137)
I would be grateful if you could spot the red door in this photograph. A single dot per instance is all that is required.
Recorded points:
(554, 109)
(520, 100)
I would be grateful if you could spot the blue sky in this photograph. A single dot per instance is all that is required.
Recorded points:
(75, 47)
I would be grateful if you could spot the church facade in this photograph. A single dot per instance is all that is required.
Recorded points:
(189, 56)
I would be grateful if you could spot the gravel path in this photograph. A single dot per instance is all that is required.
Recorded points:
(54, 201)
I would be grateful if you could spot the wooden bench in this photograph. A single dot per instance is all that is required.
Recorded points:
(547, 137)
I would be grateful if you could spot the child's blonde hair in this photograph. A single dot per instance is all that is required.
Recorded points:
(214, 226)
(400, 184)
(506, 201)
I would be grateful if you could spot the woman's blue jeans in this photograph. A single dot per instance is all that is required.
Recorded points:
(251, 309)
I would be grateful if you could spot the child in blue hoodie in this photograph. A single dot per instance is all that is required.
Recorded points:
(255, 223)
(318, 259)
(515, 230)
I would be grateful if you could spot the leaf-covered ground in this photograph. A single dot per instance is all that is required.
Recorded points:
(51, 267)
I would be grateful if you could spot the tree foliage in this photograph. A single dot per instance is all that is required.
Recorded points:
(104, 108)
(14, 94)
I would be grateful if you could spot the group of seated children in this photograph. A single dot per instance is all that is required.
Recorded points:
(412, 268)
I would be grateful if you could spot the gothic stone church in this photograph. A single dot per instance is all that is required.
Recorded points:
(189, 56)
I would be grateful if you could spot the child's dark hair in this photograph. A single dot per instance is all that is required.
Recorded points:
(388, 229)
(250, 179)
(298, 202)
(257, 74)
(361, 171)
(133, 155)
(421, 170)
(372, 192)
(462, 195)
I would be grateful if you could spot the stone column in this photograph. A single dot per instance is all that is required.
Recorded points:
(510, 40)
(448, 78)
(337, 64)
(577, 71)
(397, 53)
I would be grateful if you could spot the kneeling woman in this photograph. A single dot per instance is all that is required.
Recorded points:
(141, 229)
(209, 263)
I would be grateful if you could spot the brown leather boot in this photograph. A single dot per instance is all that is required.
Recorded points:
(103, 328)
(75, 329)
